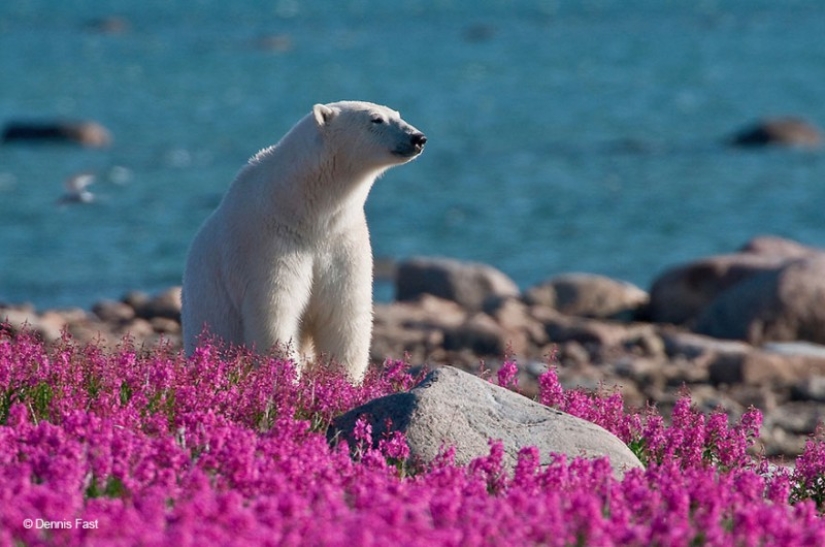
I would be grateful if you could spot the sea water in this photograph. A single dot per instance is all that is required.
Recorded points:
(562, 136)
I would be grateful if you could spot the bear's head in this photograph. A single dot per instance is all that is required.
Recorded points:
(372, 135)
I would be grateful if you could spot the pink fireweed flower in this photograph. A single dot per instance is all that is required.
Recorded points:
(227, 448)
(507, 375)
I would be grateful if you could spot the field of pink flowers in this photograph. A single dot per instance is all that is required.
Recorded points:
(127, 447)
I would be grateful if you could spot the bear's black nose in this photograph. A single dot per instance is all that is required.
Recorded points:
(419, 139)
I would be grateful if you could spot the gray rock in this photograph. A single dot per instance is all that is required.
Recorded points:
(811, 388)
(588, 295)
(787, 304)
(467, 283)
(804, 349)
(451, 408)
(796, 417)
(690, 345)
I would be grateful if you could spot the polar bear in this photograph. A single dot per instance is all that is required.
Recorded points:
(285, 259)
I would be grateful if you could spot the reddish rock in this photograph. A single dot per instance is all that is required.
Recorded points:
(166, 304)
(481, 334)
(681, 293)
(415, 327)
(778, 247)
(764, 368)
(587, 295)
(782, 305)
(85, 133)
(467, 283)
(514, 317)
(779, 131)
(113, 312)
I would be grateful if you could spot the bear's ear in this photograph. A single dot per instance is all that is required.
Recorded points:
(323, 114)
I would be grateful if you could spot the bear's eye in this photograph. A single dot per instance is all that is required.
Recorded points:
(377, 119)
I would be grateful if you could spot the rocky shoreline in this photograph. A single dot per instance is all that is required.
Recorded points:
(740, 329)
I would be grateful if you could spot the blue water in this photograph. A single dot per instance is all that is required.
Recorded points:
(563, 136)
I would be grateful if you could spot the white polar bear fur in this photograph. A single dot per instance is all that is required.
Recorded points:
(285, 259)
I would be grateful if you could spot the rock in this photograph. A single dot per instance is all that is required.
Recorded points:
(164, 325)
(780, 443)
(782, 305)
(678, 373)
(778, 247)
(514, 317)
(19, 319)
(480, 334)
(761, 397)
(647, 342)
(164, 304)
(811, 388)
(805, 349)
(779, 131)
(799, 418)
(415, 328)
(279, 43)
(113, 312)
(451, 408)
(681, 293)
(467, 283)
(587, 295)
(111, 24)
(85, 133)
(642, 371)
(426, 312)
(763, 368)
(573, 355)
(690, 345)
(138, 329)
(707, 399)
(588, 332)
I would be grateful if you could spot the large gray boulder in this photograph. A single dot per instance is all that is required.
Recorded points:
(451, 408)
(468, 283)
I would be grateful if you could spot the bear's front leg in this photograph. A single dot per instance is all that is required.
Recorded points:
(341, 307)
(274, 304)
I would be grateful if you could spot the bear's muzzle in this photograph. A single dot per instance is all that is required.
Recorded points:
(415, 146)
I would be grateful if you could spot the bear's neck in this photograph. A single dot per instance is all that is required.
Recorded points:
(311, 191)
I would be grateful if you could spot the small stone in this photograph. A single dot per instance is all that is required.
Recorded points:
(811, 388)
(787, 131)
(481, 334)
(111, 311)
